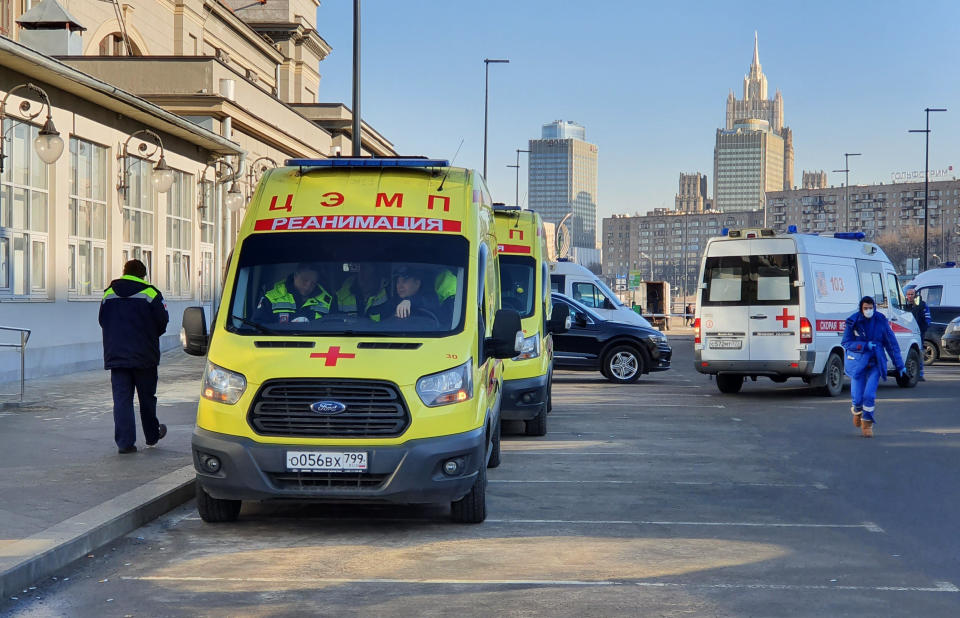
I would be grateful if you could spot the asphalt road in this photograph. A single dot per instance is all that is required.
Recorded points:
(660, 498)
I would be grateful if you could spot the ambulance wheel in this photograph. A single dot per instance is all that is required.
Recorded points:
(931, 353)
(472, 508)
(833, 376)
(494, 460)
(550, 392)
(913, 370)
(729, 383)
(214, 510)
(537, 426)
(623, 365)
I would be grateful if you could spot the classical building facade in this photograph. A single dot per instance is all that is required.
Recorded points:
(222, 89)
(692, 194)
(813, 180)
(754, 150)
(563, 180)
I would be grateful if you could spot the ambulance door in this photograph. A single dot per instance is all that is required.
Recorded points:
(902, 322)
(725, 303)
(775, 306)
(872, 284)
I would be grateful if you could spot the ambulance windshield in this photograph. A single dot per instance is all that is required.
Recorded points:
(517, 281)
(336, 283)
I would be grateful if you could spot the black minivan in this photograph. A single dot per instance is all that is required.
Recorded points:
(621, 352)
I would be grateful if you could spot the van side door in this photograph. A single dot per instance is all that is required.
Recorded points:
(902, 322)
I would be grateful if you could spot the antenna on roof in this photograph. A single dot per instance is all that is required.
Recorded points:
(452, 161)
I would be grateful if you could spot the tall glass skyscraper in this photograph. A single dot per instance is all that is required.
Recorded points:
(563, 179)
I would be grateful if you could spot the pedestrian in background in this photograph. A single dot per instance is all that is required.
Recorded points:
(921, 313)
(688, 314)
(865, 338)
(133, 316)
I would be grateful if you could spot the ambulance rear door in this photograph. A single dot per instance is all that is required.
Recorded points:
(724, 302)
(774, 317)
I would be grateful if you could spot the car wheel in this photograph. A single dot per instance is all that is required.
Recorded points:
(913, 370)
(537, 426)
(729, 383)
(624, 365)
(833, 376)
(931, 353)
(472, 508)
(494, 460)
(214, 510)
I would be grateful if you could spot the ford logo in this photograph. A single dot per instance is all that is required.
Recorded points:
(327, 407)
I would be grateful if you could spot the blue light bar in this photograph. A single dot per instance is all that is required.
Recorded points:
(791, 229)
(850, 235)
(949, 265)
(724, 231)
(368, 162)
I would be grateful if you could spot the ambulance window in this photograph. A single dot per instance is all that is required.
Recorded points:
(775, 275)
(893, 291)
(518, 278)
(556, 284)
(931, 295)
(879, 296)
(724, 280)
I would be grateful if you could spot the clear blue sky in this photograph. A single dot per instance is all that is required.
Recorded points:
(649, 83)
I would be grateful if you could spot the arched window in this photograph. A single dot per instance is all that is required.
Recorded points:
(112, 45)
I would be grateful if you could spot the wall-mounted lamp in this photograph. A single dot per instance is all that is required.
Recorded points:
(255, 171)
(48, 144)
(234, 199)
(163, 176)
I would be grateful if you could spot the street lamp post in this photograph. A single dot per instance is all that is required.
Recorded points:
(48, 144)
(486, 106)
(926, 177)
(516, 197)
(846, 188)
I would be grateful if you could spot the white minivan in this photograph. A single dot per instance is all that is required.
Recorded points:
(775, 306)
(580, 284)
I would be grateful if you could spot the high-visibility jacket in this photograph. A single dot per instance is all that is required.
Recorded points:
(445, 285)
(283, 302)
(132, 316)
(372, 307)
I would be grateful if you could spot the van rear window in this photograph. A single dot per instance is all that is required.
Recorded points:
(750, 280)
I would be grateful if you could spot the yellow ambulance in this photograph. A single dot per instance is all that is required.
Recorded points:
(355, 352)
(525, 288)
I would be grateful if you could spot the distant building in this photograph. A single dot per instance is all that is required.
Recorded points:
(563, 180)
(755, 124)
(813, 180)
(673, 241)
(692, 196)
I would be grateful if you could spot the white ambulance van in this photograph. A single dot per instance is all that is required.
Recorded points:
(775, 306)
(579, 283)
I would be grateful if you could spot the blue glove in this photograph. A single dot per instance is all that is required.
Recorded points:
(870, 345)
(903, 372)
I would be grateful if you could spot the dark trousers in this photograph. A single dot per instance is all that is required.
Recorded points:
(124, 381)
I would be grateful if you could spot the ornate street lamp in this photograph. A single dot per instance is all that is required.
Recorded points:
(48, 144)
(163, 176)
(234, 199)
(255, 171)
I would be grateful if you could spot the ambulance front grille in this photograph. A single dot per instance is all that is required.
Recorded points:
(374, 409)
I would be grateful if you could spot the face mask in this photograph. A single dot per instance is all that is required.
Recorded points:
(868, 313)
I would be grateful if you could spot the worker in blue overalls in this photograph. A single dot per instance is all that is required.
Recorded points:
(866, 337)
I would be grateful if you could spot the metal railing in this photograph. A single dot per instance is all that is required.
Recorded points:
(22, 346)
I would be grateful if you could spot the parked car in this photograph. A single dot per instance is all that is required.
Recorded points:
(940, 289)
(621, 352)
(950, 342)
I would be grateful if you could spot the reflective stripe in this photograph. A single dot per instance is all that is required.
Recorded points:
(283, 301)
(108, 293)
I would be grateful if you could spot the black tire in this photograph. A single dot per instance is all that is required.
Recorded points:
(913, 370)
(832, 376)
(931, 352)
(550, 392)
(494, 460)
(729, 383)
(623, 365)
(214, 510)
(472, 508)
(779, 379)
(537, 426)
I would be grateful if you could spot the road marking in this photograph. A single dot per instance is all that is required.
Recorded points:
(705, 483)
(938, 586)
(730, 524)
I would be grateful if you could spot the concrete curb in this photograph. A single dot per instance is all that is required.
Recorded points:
(27, 561)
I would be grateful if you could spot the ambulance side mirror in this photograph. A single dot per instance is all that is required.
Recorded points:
(193, 332)
(507, 335)
(798, 284)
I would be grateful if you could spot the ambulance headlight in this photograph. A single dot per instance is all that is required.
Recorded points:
(450, 386)
(222, 385)
(529, 348)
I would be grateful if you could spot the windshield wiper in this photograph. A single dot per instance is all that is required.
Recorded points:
(256, 325)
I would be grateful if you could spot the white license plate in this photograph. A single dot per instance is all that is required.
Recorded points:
(327, 461)
(725, 344)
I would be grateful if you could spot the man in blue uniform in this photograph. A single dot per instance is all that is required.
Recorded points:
(133, 316)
